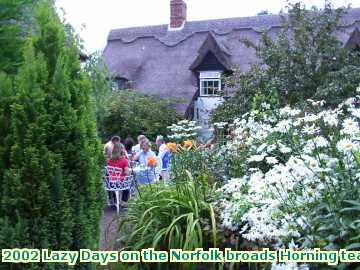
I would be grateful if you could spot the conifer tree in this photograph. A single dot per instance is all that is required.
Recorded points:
(14, 26)
(50, 159)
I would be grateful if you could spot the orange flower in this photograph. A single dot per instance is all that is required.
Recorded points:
(188, 144)
(172, 146)
(151, 162)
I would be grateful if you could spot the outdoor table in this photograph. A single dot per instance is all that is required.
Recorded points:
(145, 175)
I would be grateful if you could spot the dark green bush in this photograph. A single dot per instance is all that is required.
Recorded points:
(131, 113)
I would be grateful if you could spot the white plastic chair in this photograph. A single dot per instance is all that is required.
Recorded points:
(114, 182)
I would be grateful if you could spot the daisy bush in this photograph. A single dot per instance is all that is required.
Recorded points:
(299, 177)
(183, 130)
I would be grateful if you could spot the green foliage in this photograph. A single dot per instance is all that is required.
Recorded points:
(50, 156)
(101, 85)
(305, 61)
(313, 184)
(196, 159)
(132, 113)
(128, 113)
(168, 216)
(13, 30)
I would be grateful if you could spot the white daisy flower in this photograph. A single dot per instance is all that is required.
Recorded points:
(350, 127)
(345, 145)
(271, 160)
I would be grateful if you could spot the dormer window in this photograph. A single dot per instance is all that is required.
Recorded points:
(210, 83)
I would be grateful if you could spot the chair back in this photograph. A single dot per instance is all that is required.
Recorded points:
(113, 179)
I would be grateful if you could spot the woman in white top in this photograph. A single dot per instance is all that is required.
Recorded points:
(145, 153)
(163, 155)
(137, 148)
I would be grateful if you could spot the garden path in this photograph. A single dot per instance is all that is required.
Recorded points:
(108, 228)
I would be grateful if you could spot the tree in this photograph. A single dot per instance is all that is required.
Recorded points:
(51, 188)
(101, 85)
(132, 113)
(14, 27)
(305, 61)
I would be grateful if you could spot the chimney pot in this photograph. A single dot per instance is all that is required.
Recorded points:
(177, 14)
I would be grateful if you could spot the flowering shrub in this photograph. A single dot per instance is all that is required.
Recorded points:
(301, 177)
(183, 130)
(287, 177)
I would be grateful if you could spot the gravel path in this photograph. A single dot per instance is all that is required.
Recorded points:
(108, 228)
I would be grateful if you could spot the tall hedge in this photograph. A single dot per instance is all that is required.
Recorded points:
(14, 25)
(50, 157)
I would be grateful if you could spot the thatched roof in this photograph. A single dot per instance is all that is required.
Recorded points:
(158, 61)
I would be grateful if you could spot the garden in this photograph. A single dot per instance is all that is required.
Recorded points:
(283, 171)
(297, 187)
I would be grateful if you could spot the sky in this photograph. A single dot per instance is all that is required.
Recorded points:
(93, 19)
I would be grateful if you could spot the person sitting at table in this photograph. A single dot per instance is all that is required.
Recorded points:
(129, 143)
(118, 159)
(137, 148)
(164, 156)
(145, 153)
(108, 147)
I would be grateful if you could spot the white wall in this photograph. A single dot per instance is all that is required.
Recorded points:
(204, 107)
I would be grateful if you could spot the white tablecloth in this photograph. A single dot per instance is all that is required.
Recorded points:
(145, 175)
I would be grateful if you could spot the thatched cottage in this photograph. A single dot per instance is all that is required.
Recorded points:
(186, 59)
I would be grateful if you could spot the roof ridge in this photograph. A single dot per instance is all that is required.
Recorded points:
(232, 18)
(195, 21)
(222, 26)
(209, 20)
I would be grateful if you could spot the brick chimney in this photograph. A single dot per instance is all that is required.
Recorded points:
(177, 14)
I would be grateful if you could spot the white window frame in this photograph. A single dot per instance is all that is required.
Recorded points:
(210, 76)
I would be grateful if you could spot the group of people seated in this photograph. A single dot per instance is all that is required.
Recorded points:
(119, 155)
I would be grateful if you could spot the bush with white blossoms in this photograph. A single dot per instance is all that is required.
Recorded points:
(301, 180)
(183, 130)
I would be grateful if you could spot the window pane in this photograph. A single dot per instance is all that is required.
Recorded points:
(209, 87)
(217, 87)
(202, 87)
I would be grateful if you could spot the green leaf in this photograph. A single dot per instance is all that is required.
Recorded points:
(354, 246)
